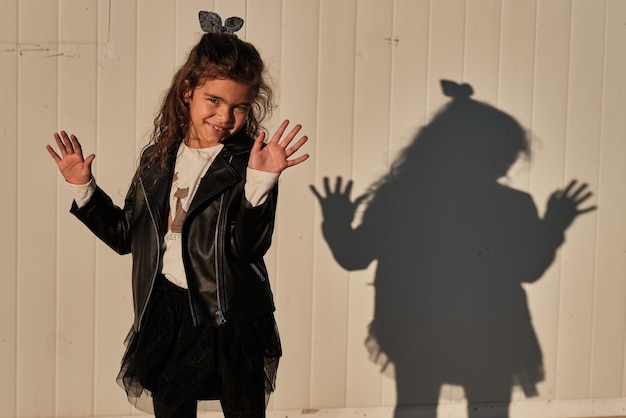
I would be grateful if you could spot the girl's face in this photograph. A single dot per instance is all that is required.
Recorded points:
(218, 110)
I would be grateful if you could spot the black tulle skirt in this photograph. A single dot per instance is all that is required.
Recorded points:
(173, 360)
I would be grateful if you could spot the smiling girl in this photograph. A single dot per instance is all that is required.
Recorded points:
(198, 219)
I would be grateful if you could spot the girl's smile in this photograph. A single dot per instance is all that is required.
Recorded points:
(217, 110)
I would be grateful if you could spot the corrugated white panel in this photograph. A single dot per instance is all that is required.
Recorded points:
(75, 326)
(546, 162)
(370, 160)
(362, 77)
(609, 318)
(114, 166)
(585, 76)
(37, 240)
(294, 235)
(9, 210)
(483, 38)
(331, 284)
(265, 31)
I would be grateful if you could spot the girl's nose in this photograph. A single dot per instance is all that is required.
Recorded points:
(226, 114)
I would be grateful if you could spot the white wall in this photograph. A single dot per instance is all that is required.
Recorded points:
(362, 76)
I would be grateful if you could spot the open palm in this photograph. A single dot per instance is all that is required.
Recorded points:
(73, 166)
(274, 155)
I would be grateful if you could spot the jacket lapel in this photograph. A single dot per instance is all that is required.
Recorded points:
(157, 182)
(219, 177)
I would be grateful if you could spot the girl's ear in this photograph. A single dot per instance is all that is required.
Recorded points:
(186, 91)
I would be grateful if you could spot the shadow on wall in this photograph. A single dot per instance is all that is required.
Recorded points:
(453, 248)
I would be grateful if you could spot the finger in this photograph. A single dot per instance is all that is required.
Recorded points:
(60, 144)
(295, 147)
(360, 199)
(280, 131)
(568, 188)
(316, 193)
(338, 183)
(298, 160)
(89, 160)
(327, 185)
(76, 145)
(582, 198)
(69, 147)
(53, 154)
(579, 191)
(291, 135)
(589, 209)
(258, 142)
(349, 188)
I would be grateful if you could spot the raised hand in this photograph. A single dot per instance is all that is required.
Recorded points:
(73, 167)
(274, 156)
(336, 204)
(564, 205)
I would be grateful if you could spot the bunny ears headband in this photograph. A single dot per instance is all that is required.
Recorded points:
(212, 23)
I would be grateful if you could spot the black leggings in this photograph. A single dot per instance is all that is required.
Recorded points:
(232, 408)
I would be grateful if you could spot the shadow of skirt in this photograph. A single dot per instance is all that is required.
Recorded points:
(173, 360)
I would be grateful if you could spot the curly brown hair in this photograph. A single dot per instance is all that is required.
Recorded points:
(216, 56)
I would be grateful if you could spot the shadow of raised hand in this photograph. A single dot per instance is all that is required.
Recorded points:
(338, 211)
(564, 206)
(337, 208)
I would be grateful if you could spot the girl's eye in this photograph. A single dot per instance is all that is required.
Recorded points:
(243, 108)
(213, 100)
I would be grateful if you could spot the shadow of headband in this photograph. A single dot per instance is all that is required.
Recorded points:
(456, 91)
(212, 23)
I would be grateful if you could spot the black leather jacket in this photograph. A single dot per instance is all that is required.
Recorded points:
(223, 241)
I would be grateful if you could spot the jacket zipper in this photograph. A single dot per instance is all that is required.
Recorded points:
(154, 274)
(221, 319)
(258, 272)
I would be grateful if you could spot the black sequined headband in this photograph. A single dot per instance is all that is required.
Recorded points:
(212, 23)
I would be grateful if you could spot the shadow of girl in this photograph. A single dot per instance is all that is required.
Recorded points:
(453, 248)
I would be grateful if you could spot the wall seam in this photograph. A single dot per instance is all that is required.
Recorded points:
(57, 295)
(18, 241)
(314, 219)
(352, 173)
(599, 173)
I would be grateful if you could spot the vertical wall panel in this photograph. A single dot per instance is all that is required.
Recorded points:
(77, 97)
(188, 31)
(37, 286)
(516, 75)
(516, 82)
(609, 316)
(264, 29)
(113, 167)
(156, 60)
(581, 153)
(294, 236)
(447, 42)
(408, 98)
(482, 48)
(9, 174)
(446, 62)
(547, 164)
(332, 147)
(409, 72)
(372, 96)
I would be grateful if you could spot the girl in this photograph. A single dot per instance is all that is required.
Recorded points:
(198, 218)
